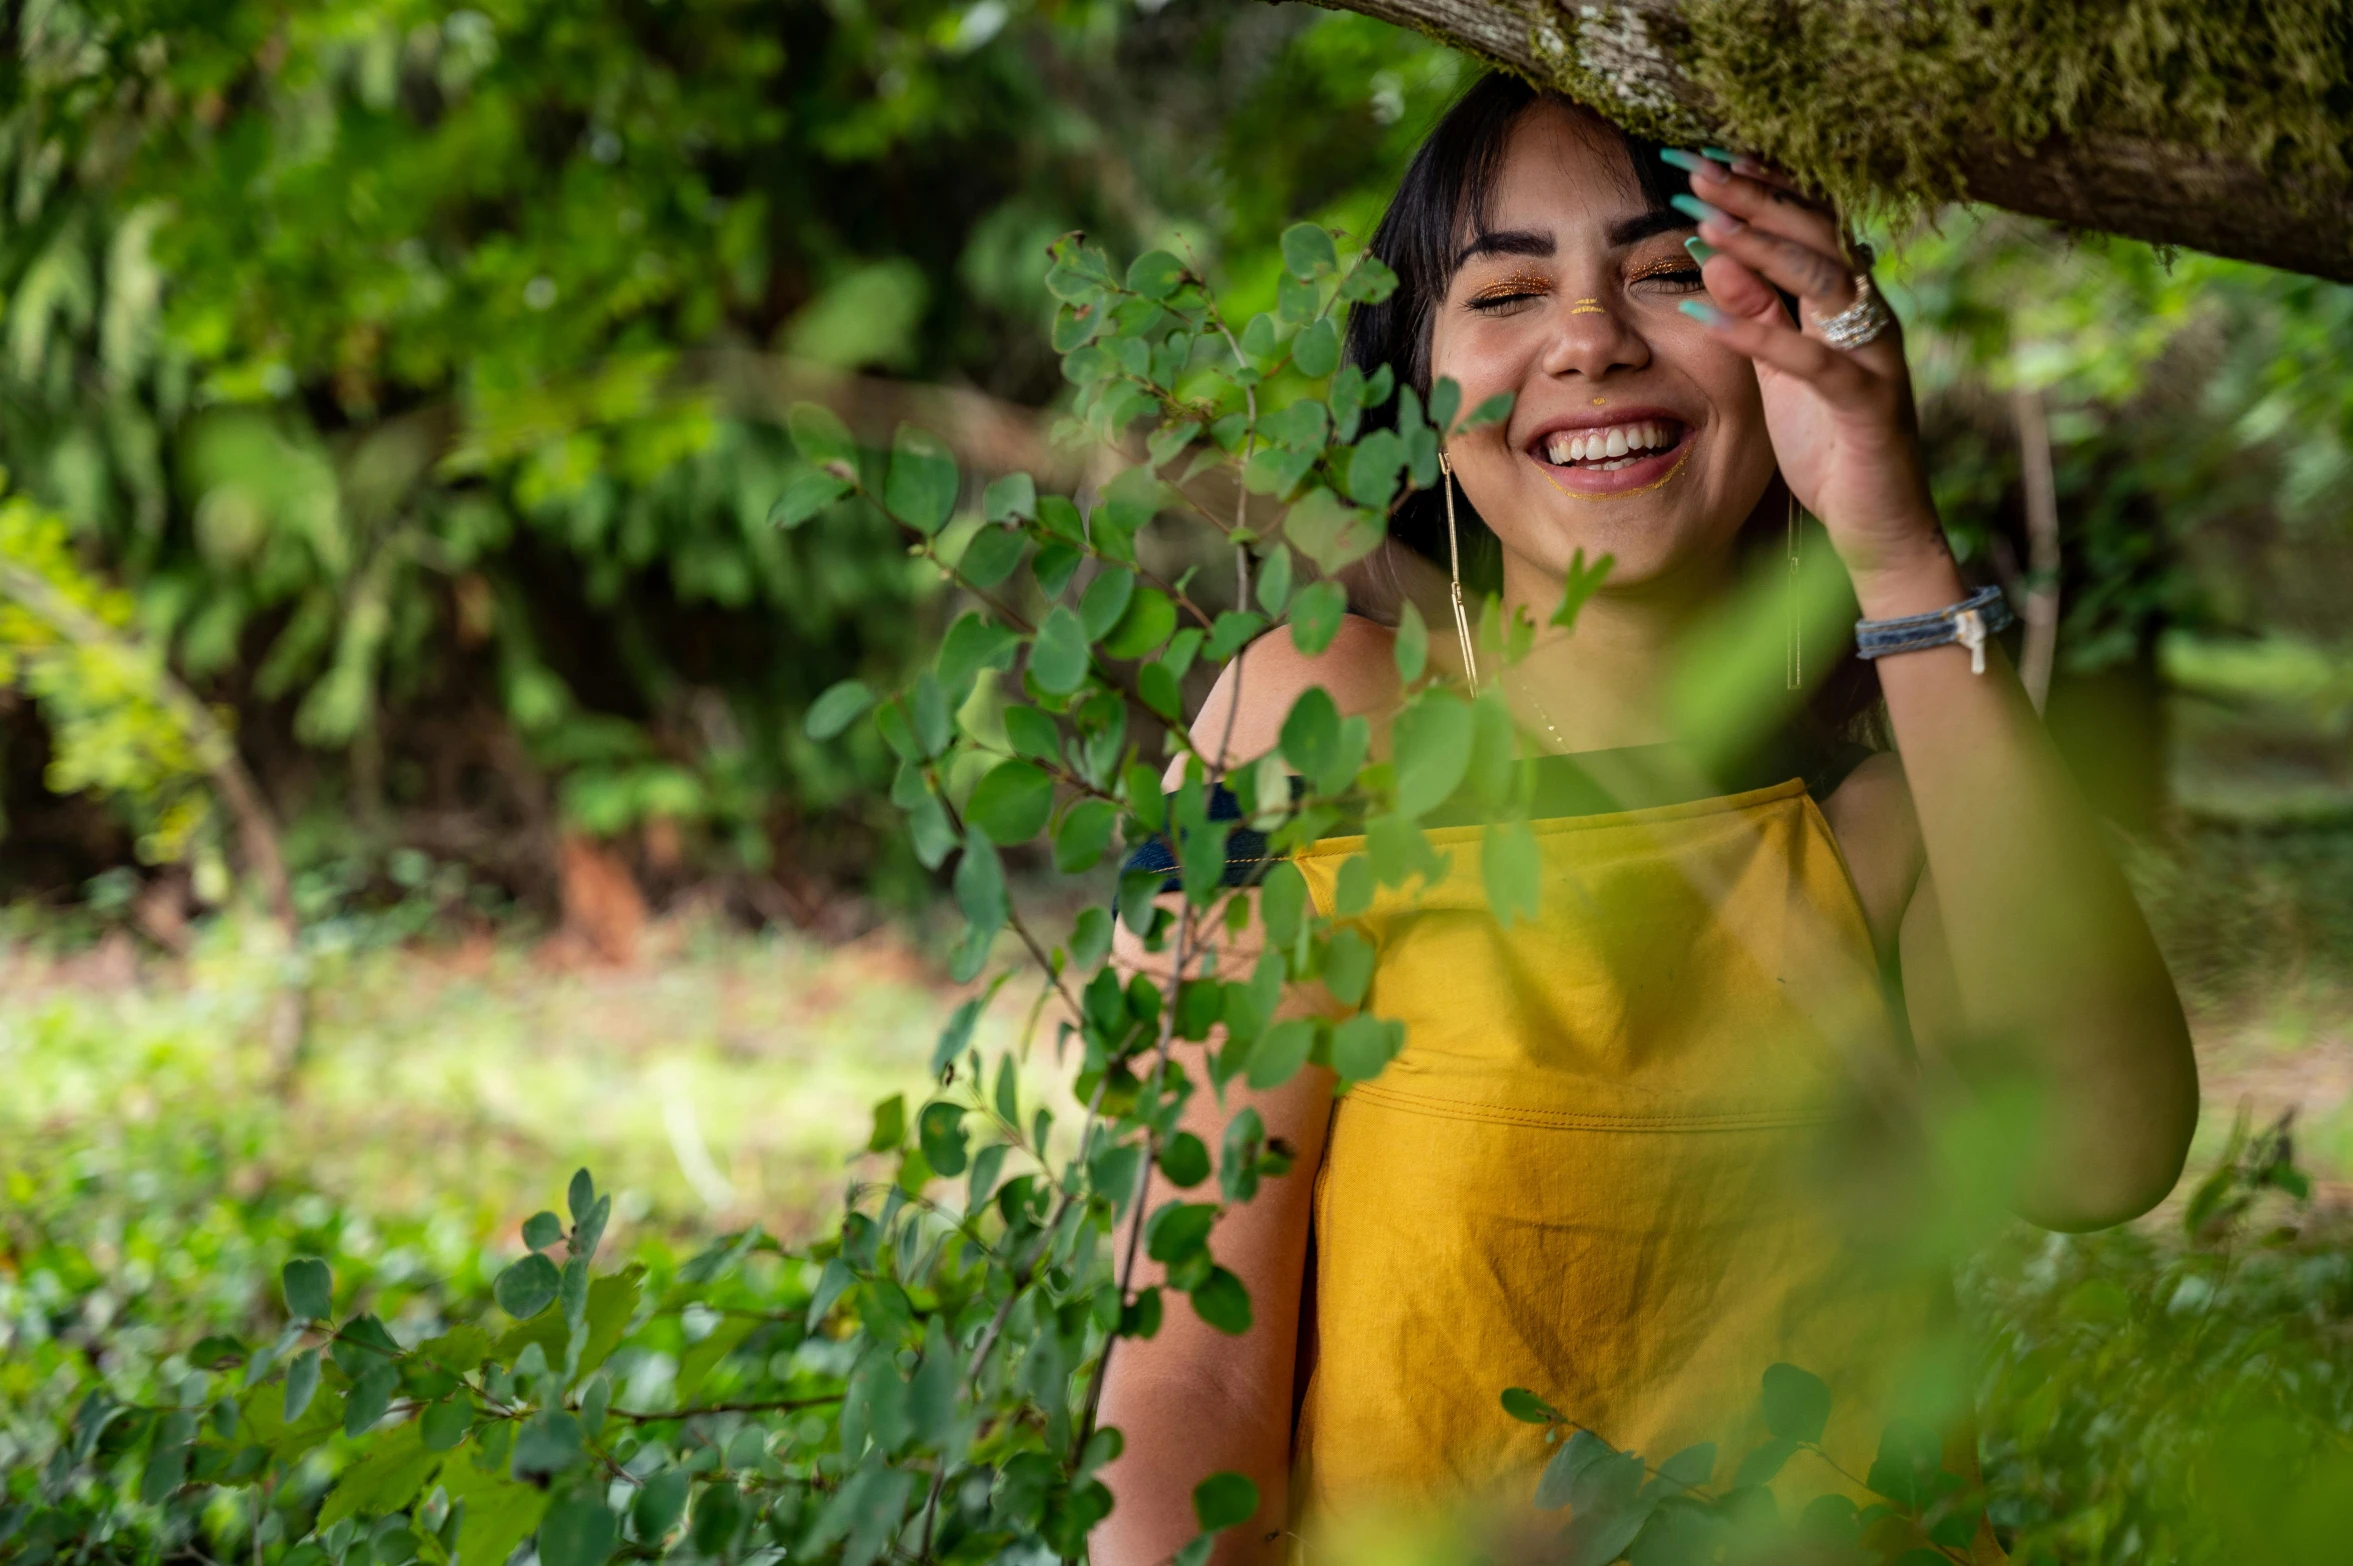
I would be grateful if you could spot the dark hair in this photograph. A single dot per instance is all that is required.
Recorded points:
(1447, 189)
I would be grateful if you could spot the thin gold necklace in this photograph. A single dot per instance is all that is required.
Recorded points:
(1559, 743)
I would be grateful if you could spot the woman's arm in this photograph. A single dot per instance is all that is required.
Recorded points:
(1191, 1401)
(2025, 954)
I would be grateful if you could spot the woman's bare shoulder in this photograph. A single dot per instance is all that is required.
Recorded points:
(1245, 710)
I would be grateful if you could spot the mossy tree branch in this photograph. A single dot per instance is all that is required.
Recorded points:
(2214, 124)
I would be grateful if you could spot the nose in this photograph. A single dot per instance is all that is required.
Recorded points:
(1592, 339)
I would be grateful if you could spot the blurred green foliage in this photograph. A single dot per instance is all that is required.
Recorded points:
(419, 370)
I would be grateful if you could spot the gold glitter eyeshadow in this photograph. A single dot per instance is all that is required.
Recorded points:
(1516, 284)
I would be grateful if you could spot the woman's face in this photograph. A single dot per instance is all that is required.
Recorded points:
(1633, 433)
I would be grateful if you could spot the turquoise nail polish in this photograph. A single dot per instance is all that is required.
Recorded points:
(1704, 314)
(1721, 156)
(1687, 162)
(1699, 211)
(1701, 250)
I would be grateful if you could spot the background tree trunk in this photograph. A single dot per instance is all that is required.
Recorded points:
(2221, 130)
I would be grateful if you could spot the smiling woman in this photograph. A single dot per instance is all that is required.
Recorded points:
(1596, 1168)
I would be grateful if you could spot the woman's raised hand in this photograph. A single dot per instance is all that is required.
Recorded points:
(1841, 419)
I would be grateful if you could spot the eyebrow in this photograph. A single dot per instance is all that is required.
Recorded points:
(1507, 242)
(1528, 242)
(1658, 220)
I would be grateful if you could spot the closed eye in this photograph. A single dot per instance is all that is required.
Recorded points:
(1506, 292)
(1674, 279)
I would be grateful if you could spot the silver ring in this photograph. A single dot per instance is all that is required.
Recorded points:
(1860, 322)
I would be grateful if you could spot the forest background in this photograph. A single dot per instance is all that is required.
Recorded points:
(406, 386)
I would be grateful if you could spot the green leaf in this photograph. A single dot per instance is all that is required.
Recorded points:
(980, 886)
(1316, 350)
(166, 1470)
(1302, 426)
(1090, 938)
(1276, 471)
(836, 709)
(1763, 1464)
(1105, 600)
(1224, 1500)
(302, 1383)
(369, 1397)
(577, 1531)
(660, 1502)
(1492, 411)
(1084, 836)
(890, 1124)
(1690, 1468)
(1316, 612)
(1146, 622)
(386, 1478)
(1331, 532)
(549, 1442)
(1008, 496)
(1513, 871)
(445, 1424)
(499, 1514)
(1311, 733)
(1363, 1046)
(972, 644)
(1223, 1302)
(1274, 585)
(1010, 805)
(1373, 469)
(921, 488)
(806, 494)
(954, 1038)
(1445, 399)
(1308, 250)
(1177, 1230)
(1185, 1160)
(1155, 274)
(310, 1289)
(1233, 630)
(1058, 660)
(1412, 646)
(1527, 1407)
(1279, 1053)
(542, 1230)
(1369, 282)
(1432, 744)
(821, 437)
(940, 1129)
(1797, 1403)
(528, 1287)
(1348, 966)
(1032, 733)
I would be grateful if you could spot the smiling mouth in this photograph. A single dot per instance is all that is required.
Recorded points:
(1611, 448)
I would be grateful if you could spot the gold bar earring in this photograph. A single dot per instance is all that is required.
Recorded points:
(1462, 619)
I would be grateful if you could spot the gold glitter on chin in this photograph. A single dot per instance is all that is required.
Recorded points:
(1601, 402)
(1623, 494)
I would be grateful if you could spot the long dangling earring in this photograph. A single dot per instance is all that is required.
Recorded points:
(1793, 659)
(1462, 618)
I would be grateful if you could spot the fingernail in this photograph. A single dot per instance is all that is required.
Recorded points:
(1705, 314)
(1701, 250)
(1691, 163)
(1699, 211)
(1721, 156)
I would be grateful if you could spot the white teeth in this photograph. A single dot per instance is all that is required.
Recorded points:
(1608, 449)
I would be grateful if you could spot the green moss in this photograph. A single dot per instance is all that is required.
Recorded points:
(1883, 105)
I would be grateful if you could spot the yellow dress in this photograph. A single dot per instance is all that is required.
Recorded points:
(1606, 1165)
